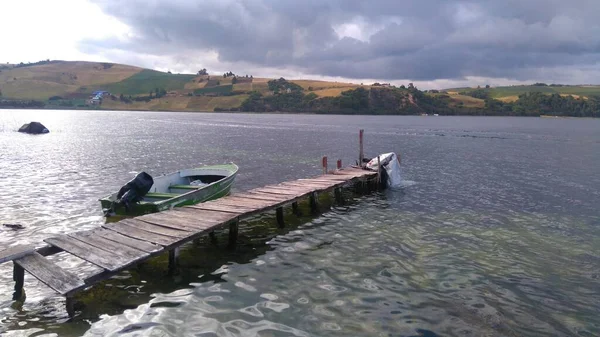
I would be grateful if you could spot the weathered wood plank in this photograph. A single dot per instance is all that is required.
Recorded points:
(266, 197)
(140, 234)
(221, 208)
(109, 246)
(144, 246)
(312, 182)
(166, 231)
(250, 203)
(50, 274)
(206, 214)
(310, 185)
(286, 188)
(278, 191)
(89, 253)
(192, 221)
(164, 219)
(15, 252)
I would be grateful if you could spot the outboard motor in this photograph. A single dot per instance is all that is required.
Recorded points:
(132, 192)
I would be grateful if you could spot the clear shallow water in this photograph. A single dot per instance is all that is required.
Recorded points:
(496, 232)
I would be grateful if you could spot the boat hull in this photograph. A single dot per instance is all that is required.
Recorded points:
(209, 192)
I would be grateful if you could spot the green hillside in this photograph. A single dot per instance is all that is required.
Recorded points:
(146, 81)
(509, 91)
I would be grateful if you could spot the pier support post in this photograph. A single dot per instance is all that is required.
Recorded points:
(70, 305)
(379, 168)
(233, 234)
(339, 164)
(173, 260)
(325, 165)
(280, 221)
(314, 206)
(339, 198)
(296, 209)
(19, 278)
(361, 154)
(213, 238)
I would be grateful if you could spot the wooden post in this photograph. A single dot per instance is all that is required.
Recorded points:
(233, 234)
(361, 154)
(324, 164)
(295, 208)
(19, 278)
(339, 198)
(280, 222)
(378, 172)
(339, 164)
(70, 305)
(173, 260)
(314, 206)
(213, 238)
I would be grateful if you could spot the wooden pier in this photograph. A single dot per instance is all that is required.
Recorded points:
(115, 247)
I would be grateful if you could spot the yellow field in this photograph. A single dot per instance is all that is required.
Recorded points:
(508, 99)
(164, 103)
(207, 103)
(261, 87)
(319, 85)
(332, 92)
(43, 81)
(468, 101)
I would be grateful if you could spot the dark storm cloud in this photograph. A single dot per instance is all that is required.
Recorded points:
(385, 39)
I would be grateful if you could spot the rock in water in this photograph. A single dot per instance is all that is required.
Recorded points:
(35, 128)
(13, 226)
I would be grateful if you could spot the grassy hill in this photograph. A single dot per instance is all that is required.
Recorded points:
(63, 84)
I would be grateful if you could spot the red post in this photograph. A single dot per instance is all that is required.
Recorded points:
(325, 165)
(361, 153)
(339, 164)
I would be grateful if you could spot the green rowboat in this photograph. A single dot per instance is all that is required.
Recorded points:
(185, 187)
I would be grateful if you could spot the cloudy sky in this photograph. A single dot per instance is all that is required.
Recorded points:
(434, 43)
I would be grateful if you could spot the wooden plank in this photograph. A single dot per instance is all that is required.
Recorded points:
(140, 234)
(251, 203)
(310, 185)
(192, 221)
(313, 182)
(206, 214)
(144, 246)
(15, 252)
(109, 246)
(164, 219)
(286, 188)
(279, 191)
(148, 227)
(265, 197)
(89, 253)
(221, 208)
(50, 274)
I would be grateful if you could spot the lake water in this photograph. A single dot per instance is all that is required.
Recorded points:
(495, 232)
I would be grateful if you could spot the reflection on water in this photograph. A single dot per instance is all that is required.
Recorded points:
(495, 233)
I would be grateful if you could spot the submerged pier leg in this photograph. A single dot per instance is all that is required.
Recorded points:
(70, 305)
(173, 260)
(314, 206)
(280, 221)
(233, 234)
(339, 197)
(19, 278)
(213, 238)
(296, 209)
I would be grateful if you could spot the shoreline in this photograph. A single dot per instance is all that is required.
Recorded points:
(295, 113)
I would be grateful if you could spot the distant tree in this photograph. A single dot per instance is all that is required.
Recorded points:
(376, 84)
(310, 88)
(202, 71)
(224, 75)
(411, 86)
(402, 86)
(251, 76)
(234, 80)
(168, 72)
(540, 85)
(487, 86)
